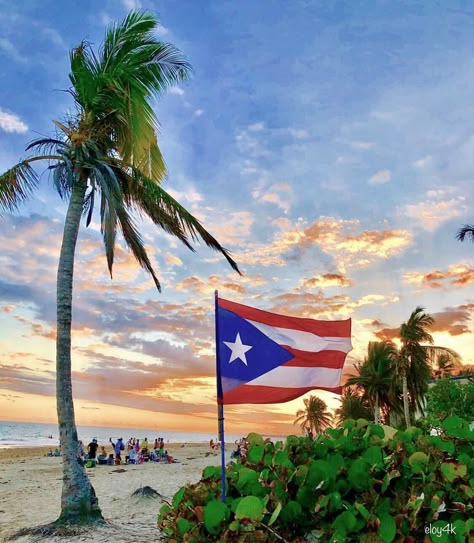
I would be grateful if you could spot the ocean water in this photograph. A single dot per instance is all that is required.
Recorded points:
(32, 434)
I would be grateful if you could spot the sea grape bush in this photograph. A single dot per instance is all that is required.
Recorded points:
(353, 483)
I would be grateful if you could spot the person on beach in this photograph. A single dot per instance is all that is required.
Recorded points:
(118, 448)
(132, 456)
(102, 456)
(92, 449)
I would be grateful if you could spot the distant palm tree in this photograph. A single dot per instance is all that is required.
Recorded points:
(376, 376)
(353, 406)
(412, 362)
(444, 366)
(315, 417)
(106, 150)
(466, 231)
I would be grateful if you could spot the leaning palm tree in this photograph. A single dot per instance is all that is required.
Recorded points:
(376, 376)
(106, 151)
(467, 231)
(353, 406)
(315, 416)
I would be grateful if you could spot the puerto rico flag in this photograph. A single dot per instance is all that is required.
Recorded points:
(264, 357)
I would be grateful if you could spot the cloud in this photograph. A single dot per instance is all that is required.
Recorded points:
(198, 112)
(381, 177)
(450, 321)
(176, 90)
(131, 4)
(327, 280)
(339, 239)
(457, 275)
(11, 123)
(256, 127)
(435, 209)
(10, 50)
(423, 162)
(364, 145)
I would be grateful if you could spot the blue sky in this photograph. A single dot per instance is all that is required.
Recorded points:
(328, 145)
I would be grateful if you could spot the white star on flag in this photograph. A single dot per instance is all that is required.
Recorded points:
(238, 349)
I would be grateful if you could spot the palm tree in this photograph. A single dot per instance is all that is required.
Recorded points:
(315, 416)
(376, 376)
(412, 358)
(353, 406)
(444, 366)
(415, 360)
(107, 150)
(466, 231)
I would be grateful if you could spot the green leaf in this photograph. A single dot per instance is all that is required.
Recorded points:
(275, 513)
(183, 526)
(387, 528)
(364, 512)
(255, 454)
(246, 477)
(214, 513)
(345, 522)
(452, 471)
(377, 430)
(359, 474)
(251, 508)
(418, 460)
(178, 497)
(442, 444)
(254, 439)
(212, 472)
(374, 456)
(291, 513)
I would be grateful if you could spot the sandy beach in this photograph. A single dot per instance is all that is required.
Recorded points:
(30, 489)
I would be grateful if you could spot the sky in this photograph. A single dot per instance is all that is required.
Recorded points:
(328, 145)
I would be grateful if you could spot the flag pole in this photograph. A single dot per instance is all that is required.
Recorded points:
(220, 406)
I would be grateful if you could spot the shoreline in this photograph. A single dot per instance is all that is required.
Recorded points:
(30, 491)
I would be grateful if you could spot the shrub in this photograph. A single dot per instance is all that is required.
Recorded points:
(349, 484)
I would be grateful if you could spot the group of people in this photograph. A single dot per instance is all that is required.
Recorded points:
(134, 451)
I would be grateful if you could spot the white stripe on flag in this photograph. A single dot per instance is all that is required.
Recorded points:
(303, 341)
(299, 377)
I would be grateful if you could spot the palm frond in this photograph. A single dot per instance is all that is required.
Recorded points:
(152, 200)
(47, 146)
(17, 184)
(466, 231)
(134, 241)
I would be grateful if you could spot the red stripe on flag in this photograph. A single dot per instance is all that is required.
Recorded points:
(321, 359)
(262, 394)
(321, 328)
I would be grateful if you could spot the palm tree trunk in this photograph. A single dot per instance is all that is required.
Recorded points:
(406, 407)
(376, 409)
(79, 503)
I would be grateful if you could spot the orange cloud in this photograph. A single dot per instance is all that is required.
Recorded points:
(459, 275)
(327, 280)
(436, 208)
(337, 238)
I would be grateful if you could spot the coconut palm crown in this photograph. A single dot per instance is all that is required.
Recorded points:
(315, 416)
(106, 153)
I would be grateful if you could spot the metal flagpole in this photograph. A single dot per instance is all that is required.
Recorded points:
(220, 406)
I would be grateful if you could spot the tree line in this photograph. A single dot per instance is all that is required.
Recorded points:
(394, 383)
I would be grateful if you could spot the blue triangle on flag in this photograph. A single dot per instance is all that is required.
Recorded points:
(263, 356)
